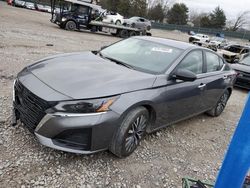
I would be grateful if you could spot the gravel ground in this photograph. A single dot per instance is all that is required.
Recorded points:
(193, 148)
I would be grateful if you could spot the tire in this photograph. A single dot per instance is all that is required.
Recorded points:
(124, 33)
(132, 33)
(148, 28)
(131, 131)
(70, 25)
(93, 29)
(220, 105)
(118, 22)
(133, 25)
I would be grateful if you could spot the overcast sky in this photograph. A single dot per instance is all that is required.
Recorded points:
(231, 7)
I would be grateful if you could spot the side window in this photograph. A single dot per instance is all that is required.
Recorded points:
(214, 62)
(192, 62)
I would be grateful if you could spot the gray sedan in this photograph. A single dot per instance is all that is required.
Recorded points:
(138, 22)
(110, 99)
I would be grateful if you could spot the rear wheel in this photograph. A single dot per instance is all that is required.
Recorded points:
(130, 133)
(220, 106)
(132, 33)
(124, 33)
(70, 25)
(118, 22)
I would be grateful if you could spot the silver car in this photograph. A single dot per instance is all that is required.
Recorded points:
(138, 22)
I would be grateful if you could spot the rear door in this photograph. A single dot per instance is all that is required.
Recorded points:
(215, 78)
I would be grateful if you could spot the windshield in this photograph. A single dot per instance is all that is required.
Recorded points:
(234, 49)
(246, 61)
(134, 18)
(143, 55)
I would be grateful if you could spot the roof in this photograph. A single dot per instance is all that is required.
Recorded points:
(79, 2)
(168, 42)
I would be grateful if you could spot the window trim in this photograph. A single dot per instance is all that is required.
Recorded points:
(203, 65)
(205, 61)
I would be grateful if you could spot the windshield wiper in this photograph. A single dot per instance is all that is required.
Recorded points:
(117, 61)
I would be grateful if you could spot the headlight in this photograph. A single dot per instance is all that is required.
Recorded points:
(85, 106)
(64, 19)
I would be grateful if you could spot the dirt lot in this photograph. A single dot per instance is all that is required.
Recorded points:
(193, 148)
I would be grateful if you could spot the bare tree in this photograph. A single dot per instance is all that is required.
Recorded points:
(241, 21)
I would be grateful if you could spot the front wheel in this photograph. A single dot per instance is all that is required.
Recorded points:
(130, 132)
(220, 106)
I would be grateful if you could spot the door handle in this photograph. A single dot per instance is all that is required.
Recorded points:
(201, 86)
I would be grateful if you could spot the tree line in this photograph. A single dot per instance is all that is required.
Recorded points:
(176, 13)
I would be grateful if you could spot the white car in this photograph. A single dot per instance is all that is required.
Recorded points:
(199, 37)
(113, 17)
(29, 5)
(218, 42)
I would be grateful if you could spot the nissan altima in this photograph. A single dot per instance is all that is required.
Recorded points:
(109, 99)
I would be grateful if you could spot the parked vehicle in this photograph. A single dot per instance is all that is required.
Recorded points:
(10, 2)
(109, 99)
(113, 17)
(138, 22)
(43, 8)
(199, 37)
(19, 3)
(234, 53)
(243, 73)
(76, 15)
(218, 42)
(30, 5)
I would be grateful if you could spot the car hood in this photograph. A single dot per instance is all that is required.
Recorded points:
(228, 53)
(85, 75)
(241, 67)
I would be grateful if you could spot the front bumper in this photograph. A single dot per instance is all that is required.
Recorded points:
(77, 133)
(242, 82)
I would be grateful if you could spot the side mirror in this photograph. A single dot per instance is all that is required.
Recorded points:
(185, 75)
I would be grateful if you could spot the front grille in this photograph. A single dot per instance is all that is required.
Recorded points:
(30, 109)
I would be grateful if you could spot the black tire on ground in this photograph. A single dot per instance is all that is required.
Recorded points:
(124, 33)
(130, 133)
(148, 28)
(220, 106)
(118, 22)
(70, 25)
(132, 33)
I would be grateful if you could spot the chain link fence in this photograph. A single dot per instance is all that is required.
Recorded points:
(209, 31)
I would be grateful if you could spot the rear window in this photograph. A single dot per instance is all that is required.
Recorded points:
(214, 62)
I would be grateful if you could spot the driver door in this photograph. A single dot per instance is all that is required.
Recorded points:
(182, 99)
(82, 15)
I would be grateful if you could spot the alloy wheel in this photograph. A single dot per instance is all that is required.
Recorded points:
(222, 103)
(135, 133)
